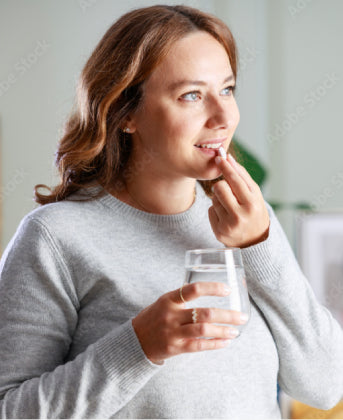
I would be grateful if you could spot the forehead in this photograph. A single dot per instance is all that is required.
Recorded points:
(197, 56)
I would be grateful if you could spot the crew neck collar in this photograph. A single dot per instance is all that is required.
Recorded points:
(172, 220)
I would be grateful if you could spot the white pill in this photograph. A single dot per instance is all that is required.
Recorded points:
(222, 152)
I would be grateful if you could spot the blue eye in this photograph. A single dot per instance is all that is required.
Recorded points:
(191, 96)
(228, 91)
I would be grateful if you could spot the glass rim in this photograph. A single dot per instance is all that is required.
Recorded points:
(209, 250)
(208, 255)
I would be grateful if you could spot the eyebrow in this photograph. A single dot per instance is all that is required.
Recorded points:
(180, 83)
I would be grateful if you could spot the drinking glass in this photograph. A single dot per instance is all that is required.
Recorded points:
(219, 265)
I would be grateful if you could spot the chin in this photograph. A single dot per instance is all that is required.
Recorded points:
(210, 175)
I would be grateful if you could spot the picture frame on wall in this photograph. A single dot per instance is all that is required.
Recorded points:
(319, 239)
(319, 249)
(1, 193)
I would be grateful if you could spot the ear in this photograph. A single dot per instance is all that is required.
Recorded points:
(128, 125)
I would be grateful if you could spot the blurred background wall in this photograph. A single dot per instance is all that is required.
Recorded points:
(289, 91)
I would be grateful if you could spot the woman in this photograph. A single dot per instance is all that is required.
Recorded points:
(92, 321)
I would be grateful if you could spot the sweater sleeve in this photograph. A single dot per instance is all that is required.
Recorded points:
(309, 340)
(38, 315)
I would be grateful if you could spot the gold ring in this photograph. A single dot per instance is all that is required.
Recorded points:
(183, 300)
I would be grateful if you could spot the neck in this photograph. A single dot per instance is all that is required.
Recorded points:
(159, 196)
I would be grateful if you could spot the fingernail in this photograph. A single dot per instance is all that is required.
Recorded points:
(212, 188)
(218, 159)
(244, 317)
(233, 333)
(227, 290)
(225, 342)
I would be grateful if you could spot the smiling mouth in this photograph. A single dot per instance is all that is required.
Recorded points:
(209, 145)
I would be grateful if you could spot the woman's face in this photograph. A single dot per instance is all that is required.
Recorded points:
(187, 111)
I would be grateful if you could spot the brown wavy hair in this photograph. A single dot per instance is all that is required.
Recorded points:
(93, 148)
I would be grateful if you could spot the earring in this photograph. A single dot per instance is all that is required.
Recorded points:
(126, 130)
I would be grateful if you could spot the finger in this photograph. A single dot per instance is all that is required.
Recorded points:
(213, 217)
(213, 316)
(239, 185)
(224, 201)
(203, 344)
(194, 290)
(243, 173)
(221, 212)
(207, 330)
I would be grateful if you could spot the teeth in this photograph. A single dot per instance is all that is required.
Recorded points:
(210, 146)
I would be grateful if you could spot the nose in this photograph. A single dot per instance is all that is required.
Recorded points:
(221, 114)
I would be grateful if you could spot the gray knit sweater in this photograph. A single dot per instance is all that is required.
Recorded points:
(77, 272)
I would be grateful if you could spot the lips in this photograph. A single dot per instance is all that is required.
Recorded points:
(210, 144)
(210, 147)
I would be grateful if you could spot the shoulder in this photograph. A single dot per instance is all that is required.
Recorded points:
(61, 221)
(66, 213)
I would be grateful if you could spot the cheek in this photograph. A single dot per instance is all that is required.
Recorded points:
(149, 125)
(158, 122)
(180, 129)
(168, 127)
(176, 127)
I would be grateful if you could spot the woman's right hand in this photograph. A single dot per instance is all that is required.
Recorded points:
(165, 328)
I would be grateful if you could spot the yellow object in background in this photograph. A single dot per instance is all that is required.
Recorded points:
(303, 411)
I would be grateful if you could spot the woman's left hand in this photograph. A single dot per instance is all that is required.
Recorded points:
(238, 216)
